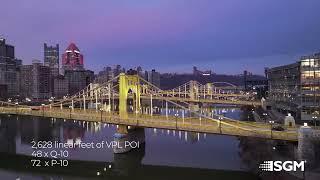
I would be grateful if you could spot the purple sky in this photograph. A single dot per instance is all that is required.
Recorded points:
(227, 36)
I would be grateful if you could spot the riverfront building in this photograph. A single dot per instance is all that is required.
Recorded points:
(295, 88)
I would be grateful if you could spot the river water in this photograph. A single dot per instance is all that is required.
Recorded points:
(165, 153)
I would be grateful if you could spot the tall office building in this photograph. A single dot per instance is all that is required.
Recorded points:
(117, 70)
(78, 79)
(74, 71)
(61, 87)
(9, 67)
(51, 60)
(108, 73)
(140, 72)
(153, 77)
(26, 79)
(51, 55)
(72, 59)
(105, 75)
(296, 87)
(41, 79)
(35, 81)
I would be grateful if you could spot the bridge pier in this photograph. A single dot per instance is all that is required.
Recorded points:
(306, 144)
(289, 121)
(194, 107)
(208, 89)
(128, 138)
(129, 163)
(194, 91)
(122, 129)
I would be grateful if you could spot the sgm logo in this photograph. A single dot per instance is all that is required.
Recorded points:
(285, 166)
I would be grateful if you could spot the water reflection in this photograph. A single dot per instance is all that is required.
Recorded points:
(15, 137)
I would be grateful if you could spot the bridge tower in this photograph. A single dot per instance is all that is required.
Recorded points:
(208, 90)
(193, 90)
(306, 149)
(194, 95)
(128, 84)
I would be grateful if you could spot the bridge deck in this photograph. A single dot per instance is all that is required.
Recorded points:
(195, 124)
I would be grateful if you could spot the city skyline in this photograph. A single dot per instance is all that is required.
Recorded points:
(160, 89)
(172, 36)
(187, 67)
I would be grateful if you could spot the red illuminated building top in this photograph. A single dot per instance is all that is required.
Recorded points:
(72, 59)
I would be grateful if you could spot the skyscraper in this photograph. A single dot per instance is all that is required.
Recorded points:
(35, 81)
(78, 79)
(140, 72)
(153, 77)
(9, 66)
(72, 59)
(105, 75)
(51, 60)
(61, 86)
(26, 81)
(117, 70)
(51, 56)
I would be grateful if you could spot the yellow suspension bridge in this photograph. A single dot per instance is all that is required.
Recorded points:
(130, 101)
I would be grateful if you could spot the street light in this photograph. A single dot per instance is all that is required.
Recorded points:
(220, 118)
(176, 115)
(314, 118)
(271, 124)
(16, 107)
(42, 105)
(70, 108)
(315, 115)
(265, 117)
(101, 110)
